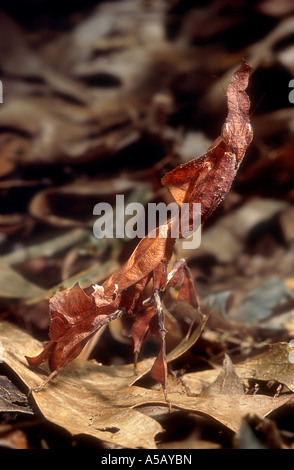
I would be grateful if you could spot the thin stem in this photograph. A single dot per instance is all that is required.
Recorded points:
(162, 331)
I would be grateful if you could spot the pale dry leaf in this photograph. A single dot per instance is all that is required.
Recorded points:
(226, 383)
(196, 381)
(15, 286)
(229, 411)
(87, 398)
(220, 393)
(273, 364)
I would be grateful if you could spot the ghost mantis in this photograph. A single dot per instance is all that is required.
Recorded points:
(77, 314)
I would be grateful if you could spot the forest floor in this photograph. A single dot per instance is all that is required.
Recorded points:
(103, 99)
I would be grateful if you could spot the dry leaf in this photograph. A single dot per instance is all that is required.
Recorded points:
(225, 400)
(273, 364)
(226, 383)
(12, 399)
(86, 397)
(14, 286)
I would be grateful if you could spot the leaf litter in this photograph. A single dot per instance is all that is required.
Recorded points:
(82, 115)
(100, 400)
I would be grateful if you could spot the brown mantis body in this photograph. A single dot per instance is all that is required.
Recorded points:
(77, 314)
